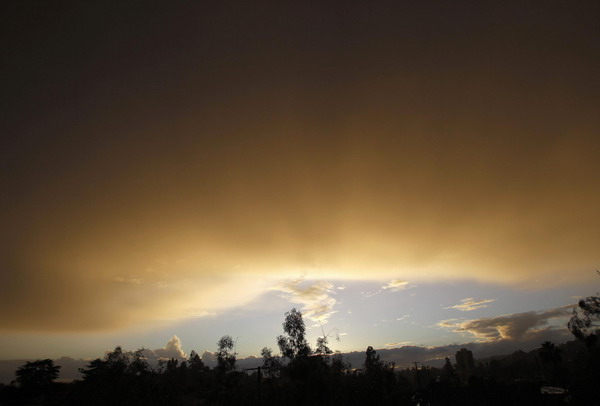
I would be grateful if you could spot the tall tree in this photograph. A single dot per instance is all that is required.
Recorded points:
(322, 346)
(372, 361)
(195, 363)
(293, 345)
(225, 354)
(271, 364)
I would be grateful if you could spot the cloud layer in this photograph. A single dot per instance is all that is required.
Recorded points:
(511, 327)
(200, 161)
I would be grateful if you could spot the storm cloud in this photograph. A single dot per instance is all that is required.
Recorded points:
(171, 162)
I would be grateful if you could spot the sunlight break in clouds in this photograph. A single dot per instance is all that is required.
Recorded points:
(469, 304)
(317, 303)
(515, 326)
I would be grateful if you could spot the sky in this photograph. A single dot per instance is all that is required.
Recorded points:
(404, 173)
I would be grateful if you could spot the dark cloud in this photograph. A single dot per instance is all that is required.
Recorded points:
(150, 150)
(511, 327)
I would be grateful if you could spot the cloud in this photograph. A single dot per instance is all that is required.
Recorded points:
(352, 179)
(316, 300)
(95, 299)
(511, 327)
(398, 344)
(209, 358)
(396, 285)
(172, 349)
(448, 323)
(469, 304)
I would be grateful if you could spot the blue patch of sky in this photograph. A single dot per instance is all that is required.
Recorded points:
(366, 314)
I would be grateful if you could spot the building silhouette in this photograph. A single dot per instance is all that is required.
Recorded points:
(465, 365)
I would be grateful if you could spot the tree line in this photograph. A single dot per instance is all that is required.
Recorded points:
(301, 375)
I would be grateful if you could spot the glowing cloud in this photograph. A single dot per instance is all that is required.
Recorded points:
(317, 303)
(469, 304)
(398, 344)
(396, 285)
(508, 327)
(172, 349)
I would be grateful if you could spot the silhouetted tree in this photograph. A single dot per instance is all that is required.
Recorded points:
(117, 363)
(195, 363)
(550, 355)
(225, 355)
(338, 366)
(171, 364)
(549, 352)
(585, 320)
(372, 362)
(197, 372)
(271, 364)
(122, 377)
(322, 348)
(293, 345)
(138, 364)
(36, 377)
(447, 370)
(379, 379)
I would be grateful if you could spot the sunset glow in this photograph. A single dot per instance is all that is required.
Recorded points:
(404, 174)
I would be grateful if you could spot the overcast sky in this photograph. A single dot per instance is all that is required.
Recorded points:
(405, 172)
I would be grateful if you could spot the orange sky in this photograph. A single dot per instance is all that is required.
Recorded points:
(151, 152)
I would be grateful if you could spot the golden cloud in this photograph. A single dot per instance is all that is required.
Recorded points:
(469, 304)
(316, 298)
(204, 173)
(515, 327)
